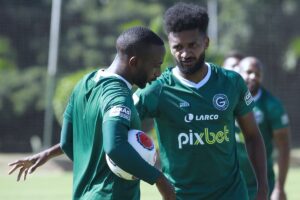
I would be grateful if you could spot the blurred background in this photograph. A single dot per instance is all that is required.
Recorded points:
(30, 118)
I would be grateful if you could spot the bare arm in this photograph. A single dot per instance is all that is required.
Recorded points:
(29, 164)
(281, 139)
(147, 124)
(165, 188)
(256, 152)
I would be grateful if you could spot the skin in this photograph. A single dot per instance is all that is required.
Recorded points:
(252, 73)
(137, 70)
(231, 63)
(188, 49)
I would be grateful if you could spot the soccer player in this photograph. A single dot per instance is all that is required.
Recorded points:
(273, 122)
(98, 117)
(194, 106)
(232, 60)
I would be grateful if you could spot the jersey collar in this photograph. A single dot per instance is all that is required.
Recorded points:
(175, 72)
(103, 73)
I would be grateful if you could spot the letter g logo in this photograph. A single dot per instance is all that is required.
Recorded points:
(220, 102)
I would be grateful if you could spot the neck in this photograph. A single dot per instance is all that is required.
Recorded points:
(197, 76)
(118, 67)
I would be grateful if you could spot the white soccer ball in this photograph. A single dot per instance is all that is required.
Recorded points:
(143, 144)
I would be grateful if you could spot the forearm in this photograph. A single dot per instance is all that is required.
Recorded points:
(53, 151)
(283, 165)
(257, 155)
(283, 147)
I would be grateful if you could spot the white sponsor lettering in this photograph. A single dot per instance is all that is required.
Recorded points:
(120, 111)
(248, 98)
(190, 117)
(184, 104)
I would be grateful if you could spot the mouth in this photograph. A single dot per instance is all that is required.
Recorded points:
(188, 62)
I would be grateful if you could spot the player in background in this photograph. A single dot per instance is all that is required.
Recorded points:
(99, 114)
(232, 60)
(194, 105)
(273, 122)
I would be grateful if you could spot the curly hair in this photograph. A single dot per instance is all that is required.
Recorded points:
(185, 16)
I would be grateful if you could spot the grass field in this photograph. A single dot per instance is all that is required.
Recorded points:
(51, 182)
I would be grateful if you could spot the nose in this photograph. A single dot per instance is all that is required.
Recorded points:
(185, 53)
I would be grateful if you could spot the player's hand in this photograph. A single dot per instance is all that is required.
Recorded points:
(28, 164)
(165, 188)
(278, 194)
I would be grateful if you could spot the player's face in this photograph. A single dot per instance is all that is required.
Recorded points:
(231, 63)
(188, 49)
(149, 65)
(252, 75)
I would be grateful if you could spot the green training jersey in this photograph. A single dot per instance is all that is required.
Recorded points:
(270, 115)
(195, 128)
(98, 97)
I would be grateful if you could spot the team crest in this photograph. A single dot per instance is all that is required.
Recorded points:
(220, 102)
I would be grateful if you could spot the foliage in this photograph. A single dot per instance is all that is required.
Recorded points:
(7, 54)
(292, 55)
(21, 91)
(63, 90)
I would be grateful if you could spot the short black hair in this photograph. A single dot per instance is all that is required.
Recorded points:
(136, 39)
(185, 16)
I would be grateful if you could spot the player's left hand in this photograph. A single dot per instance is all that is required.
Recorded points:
(278, 194)
(28, 164)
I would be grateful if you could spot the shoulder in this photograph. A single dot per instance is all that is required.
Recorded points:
(225, 74)
(270, 100)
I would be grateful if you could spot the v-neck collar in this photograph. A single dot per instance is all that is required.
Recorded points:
(175, 72)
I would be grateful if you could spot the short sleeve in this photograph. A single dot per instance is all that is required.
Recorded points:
(117, 103)
(69, 108)
(277, 115)
(245, 101)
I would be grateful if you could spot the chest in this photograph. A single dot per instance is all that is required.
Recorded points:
(197, 105)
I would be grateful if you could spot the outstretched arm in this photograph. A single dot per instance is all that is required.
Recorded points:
(29, 164)
(281, 138)
(256, 152)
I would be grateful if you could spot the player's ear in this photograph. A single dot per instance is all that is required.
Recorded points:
(133, 61)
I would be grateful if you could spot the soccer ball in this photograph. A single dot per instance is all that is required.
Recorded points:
(143, 144)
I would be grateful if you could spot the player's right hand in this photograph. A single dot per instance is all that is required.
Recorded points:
(165, 188)
(28, 164)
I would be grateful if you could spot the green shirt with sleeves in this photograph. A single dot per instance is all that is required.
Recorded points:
(100, 112)
(194, 123)
(270, 115)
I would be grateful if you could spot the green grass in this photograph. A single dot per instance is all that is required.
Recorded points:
(49, 183)
(57, 185)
